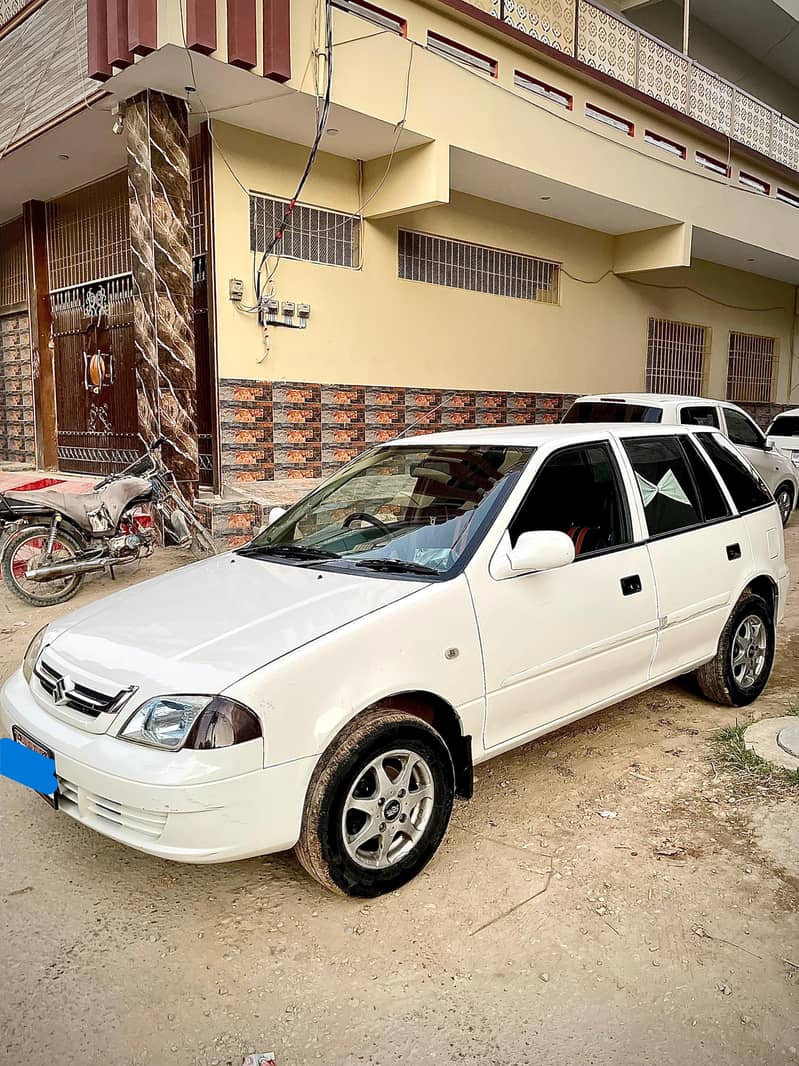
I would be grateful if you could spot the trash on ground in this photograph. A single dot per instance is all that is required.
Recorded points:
(608, 814)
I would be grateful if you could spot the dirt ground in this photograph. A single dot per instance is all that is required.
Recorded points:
(541, 933)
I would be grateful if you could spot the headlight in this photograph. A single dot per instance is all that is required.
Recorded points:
(198, 722)
(32, 654)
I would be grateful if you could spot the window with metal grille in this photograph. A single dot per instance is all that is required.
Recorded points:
(751, 367)
(476, 267)
(88, 233)
(675, 357)
(313, 234)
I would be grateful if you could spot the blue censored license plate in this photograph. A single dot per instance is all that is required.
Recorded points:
(21, 737)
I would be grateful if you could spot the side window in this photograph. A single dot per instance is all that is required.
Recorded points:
(714, 505)
(700, 416)
(742, 430)
(664, 479)
(748, 491)
(578, 491)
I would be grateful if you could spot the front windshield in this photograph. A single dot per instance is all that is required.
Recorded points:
(413, 508)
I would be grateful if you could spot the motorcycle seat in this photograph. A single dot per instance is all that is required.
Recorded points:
(78, 505)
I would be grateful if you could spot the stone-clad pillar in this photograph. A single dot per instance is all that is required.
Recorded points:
(160, 235)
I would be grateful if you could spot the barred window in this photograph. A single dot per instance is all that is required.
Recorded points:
(313, 234)
(675, 358)
(476, 267)
(751, 368)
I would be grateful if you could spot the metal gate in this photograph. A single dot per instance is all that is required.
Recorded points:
(95, 400)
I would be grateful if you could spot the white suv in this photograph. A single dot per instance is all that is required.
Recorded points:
(439, 601)
(777, 470)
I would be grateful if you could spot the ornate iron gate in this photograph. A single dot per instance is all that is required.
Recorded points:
(95, 376)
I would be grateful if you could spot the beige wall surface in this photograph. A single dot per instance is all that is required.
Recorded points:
(369, 327)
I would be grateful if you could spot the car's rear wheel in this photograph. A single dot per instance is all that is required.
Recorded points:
(741, 668)
(784, 498)
(378, 805)
(26, 549)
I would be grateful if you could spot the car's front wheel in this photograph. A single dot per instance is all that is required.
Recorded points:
(378, 805)
(745, 655)
(784, 498)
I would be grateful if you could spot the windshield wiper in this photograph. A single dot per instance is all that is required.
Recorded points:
(288, 551)
(396, 566)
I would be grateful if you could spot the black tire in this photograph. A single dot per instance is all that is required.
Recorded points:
(785, 501)
(717, 679)
(45, 594)
(322, 848)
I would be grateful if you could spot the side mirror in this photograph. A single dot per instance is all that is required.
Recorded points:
(770, 446)
(274, 514)
(535, 551)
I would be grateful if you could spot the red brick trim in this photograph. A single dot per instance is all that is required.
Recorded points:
(119, 53)
(201, 26)
(97, 40)
(242, 47)
(142, 26)
(277, 39)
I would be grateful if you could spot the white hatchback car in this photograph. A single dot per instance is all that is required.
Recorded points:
(783, 433)
(440, 600)
(779, 471)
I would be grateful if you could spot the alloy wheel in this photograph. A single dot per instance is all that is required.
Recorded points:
(388, 809)
(749, 651)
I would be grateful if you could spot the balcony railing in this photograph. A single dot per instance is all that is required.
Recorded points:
(608, 43)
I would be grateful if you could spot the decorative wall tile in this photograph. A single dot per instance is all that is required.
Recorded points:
(163, 321)
(710, 99)
(549, 21)
(662, 73)
(606, 43)
(752, 123)
(298, 430)
(17, 443)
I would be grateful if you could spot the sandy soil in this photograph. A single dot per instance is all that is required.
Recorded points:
(541, 933)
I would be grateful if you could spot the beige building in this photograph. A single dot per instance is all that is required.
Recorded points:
(508, 204)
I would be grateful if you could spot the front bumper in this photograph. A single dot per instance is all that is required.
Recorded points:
(171, 804)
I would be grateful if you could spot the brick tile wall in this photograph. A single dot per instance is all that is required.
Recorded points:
(297, 430)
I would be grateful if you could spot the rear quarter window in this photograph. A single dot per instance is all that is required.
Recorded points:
(747, 488)
(785, 426)
(700, 416)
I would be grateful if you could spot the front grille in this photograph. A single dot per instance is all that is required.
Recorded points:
(65, 692)
(88, 807)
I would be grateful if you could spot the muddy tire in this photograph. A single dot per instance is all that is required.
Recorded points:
(745, 656)
(20, 550)
(378, 805)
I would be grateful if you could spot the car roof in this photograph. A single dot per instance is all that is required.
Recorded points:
(791, 411)
(535, 436)
(651, 399)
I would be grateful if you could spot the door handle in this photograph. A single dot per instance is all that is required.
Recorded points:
(733, 552)
(631, 585)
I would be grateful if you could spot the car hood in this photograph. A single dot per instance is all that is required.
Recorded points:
(202, 627)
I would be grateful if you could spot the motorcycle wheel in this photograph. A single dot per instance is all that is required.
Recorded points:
(26, 548)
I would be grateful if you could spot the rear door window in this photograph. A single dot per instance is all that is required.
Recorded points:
(742, 430)
(747, 488)
(611, 411)
(700, 416)
(668, 491)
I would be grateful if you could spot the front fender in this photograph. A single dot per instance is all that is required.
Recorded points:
(305, 698)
